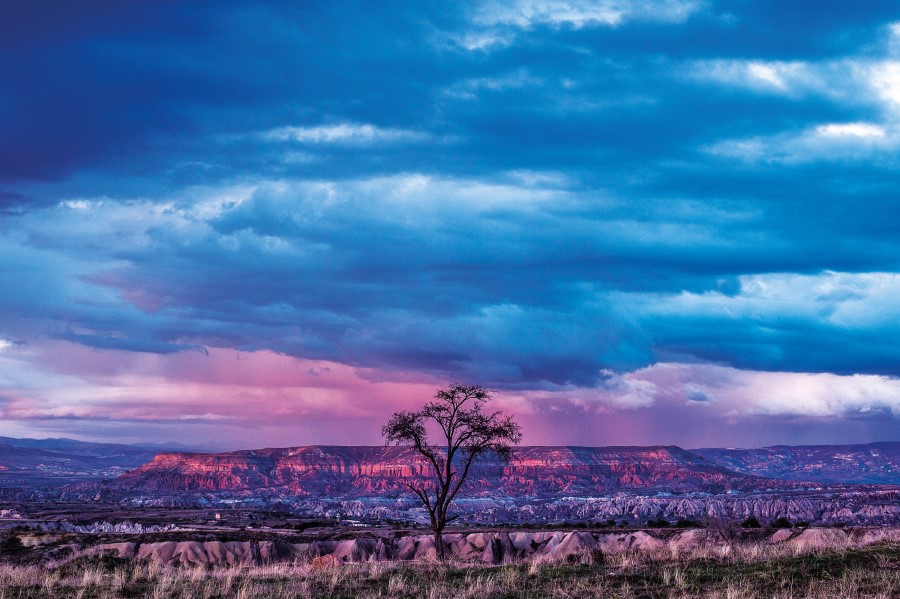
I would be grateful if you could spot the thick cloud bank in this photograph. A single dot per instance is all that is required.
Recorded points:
(566, 201)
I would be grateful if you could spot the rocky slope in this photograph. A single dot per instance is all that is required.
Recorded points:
(872, 463)
(486, 547)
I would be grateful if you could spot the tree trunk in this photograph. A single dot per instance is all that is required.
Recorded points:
(439, 543)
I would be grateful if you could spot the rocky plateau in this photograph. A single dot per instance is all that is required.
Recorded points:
(853, 484)
(540, 484)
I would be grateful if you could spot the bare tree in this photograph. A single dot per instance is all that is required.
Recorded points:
(727, 529)
(467, 433)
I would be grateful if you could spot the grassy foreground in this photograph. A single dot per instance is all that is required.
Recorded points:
(747, 571)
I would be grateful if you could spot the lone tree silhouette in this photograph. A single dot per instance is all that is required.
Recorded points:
(467, 433)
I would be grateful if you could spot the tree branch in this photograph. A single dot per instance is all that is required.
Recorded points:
(462, 478)
(426, 451)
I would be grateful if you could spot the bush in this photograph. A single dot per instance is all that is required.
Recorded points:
(781, 522)
(682, 523)
(751, 522)
(12, 545)
(660, 523)
(802, 524)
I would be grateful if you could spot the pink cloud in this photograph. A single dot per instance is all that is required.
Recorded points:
(252, 399)
(245, 389)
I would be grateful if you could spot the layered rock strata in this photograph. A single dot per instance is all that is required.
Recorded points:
(318, 470)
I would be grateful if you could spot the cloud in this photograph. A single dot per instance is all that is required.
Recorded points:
(885, 78)
(862, 130)
(694, 405)
(532, 195)
(695, 392)
(745, 393)
(796, 394)
(857, 85)
(471, 89)
(826, 142)
(792, 79)
(222, 388)
(581, 13)
(496, 24)
(344, 133)
(10, 201)
(526, 283)
(702, 404)
(248, 399)
(766, 74)
(774, 320)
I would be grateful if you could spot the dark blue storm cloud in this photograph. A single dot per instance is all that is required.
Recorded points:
(527, 193)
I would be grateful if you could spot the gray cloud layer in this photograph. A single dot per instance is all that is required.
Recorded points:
(529, 194)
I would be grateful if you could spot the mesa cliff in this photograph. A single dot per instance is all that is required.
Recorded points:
(333, 470)
(539, 485)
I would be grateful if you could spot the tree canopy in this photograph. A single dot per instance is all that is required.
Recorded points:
(467, 433)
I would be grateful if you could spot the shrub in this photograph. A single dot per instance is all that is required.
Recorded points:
(682, 523)
(751, 522)
(12, 545)
(659, 523)
(781, 522)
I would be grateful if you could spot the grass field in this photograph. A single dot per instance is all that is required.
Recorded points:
(732, 571)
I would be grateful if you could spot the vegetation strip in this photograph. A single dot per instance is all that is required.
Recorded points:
(748, 570)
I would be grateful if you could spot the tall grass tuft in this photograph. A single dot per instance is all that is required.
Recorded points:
(866, 569)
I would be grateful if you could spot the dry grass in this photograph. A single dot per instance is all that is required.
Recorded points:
(868, 570)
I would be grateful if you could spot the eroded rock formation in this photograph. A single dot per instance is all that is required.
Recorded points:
(485, 547)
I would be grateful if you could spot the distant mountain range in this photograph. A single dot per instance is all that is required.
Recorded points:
(816, 483)
(872, 463)
(75, 446)
(540, 484)
(375, 468)
(29, 463)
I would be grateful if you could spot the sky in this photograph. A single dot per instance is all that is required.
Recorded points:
(240, 224)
